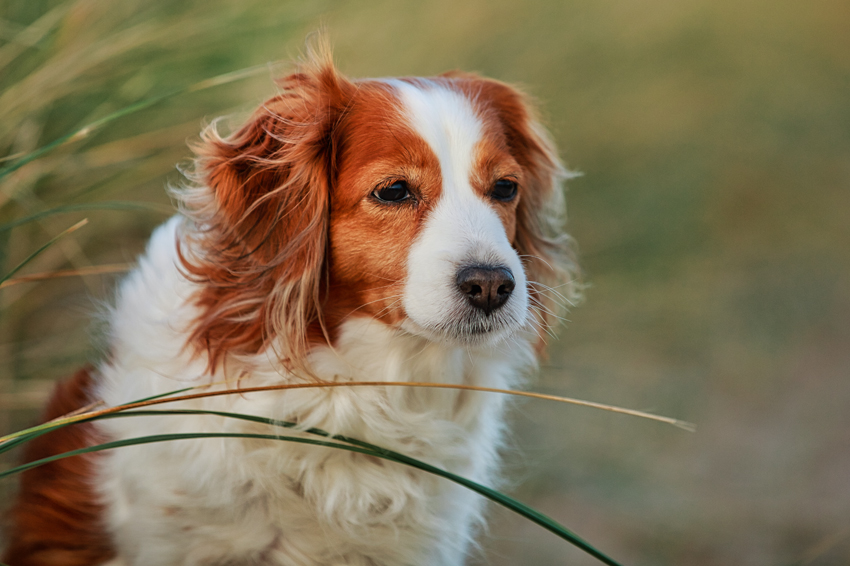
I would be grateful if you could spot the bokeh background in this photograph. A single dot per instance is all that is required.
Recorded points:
(713, 221)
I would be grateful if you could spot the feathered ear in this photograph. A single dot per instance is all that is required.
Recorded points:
(260, 208)
(546, 250)
(553, 273)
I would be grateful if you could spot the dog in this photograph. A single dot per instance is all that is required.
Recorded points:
(402, 229)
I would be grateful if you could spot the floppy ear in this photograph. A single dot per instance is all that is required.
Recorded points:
(547, 250)
(260, 208)
(544, 247)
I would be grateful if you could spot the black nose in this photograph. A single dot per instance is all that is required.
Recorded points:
(487, 288)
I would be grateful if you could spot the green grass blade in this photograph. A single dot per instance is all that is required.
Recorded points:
(140, 105)
(31, 35)
(24, 436)
(81, 133)
(345, 443)
(33, 255)
(179, 436)
(11, 440)
(106, 205)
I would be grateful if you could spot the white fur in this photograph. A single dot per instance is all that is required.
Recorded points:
(239, 501)
(463, 229)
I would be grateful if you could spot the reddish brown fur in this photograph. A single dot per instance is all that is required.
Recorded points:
(269, 230)
(296, 245)
(369, 241)
(56, 520)
(271, 187)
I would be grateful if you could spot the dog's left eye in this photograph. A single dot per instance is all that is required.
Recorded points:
(396, 192)
(504, 190)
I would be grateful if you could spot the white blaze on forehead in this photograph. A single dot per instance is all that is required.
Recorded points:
(448, 123)
(463, 229)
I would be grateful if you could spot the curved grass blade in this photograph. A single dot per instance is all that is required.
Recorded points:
(684, 425)
(349, 444)
(33, 255)
(10, 440)
(80, 272)
(166, 398)
(106, 205)
(493, 495)
(140, 105)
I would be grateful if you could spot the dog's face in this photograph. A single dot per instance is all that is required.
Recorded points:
(417, 202)
(424, 212)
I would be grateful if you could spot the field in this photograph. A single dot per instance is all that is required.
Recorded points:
(712, 218)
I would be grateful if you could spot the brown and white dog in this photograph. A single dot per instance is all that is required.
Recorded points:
(376, 230)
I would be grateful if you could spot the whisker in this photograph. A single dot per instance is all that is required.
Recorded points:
(542, 307)
(387, 308)
(549, 265)
(394, 281)
(552, 290)
(397, 297)
(542, 323)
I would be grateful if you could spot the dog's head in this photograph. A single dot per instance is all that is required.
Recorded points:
(432, 205)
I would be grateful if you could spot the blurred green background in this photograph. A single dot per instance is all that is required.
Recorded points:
(713, 221)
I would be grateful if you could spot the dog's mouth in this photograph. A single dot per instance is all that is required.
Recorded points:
(467, 327)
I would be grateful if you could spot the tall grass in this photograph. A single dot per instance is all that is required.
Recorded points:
(97, 100)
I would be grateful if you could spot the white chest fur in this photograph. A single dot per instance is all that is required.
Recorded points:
(240, 501)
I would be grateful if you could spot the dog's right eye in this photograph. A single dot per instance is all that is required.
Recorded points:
(396, 192)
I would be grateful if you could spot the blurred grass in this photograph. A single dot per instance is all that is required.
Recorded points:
(66, 64)
(712, 219)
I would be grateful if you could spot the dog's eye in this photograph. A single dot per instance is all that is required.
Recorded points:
(504, 189)
(396, 192)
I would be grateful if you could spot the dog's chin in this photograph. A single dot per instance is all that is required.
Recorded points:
(468, 330)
